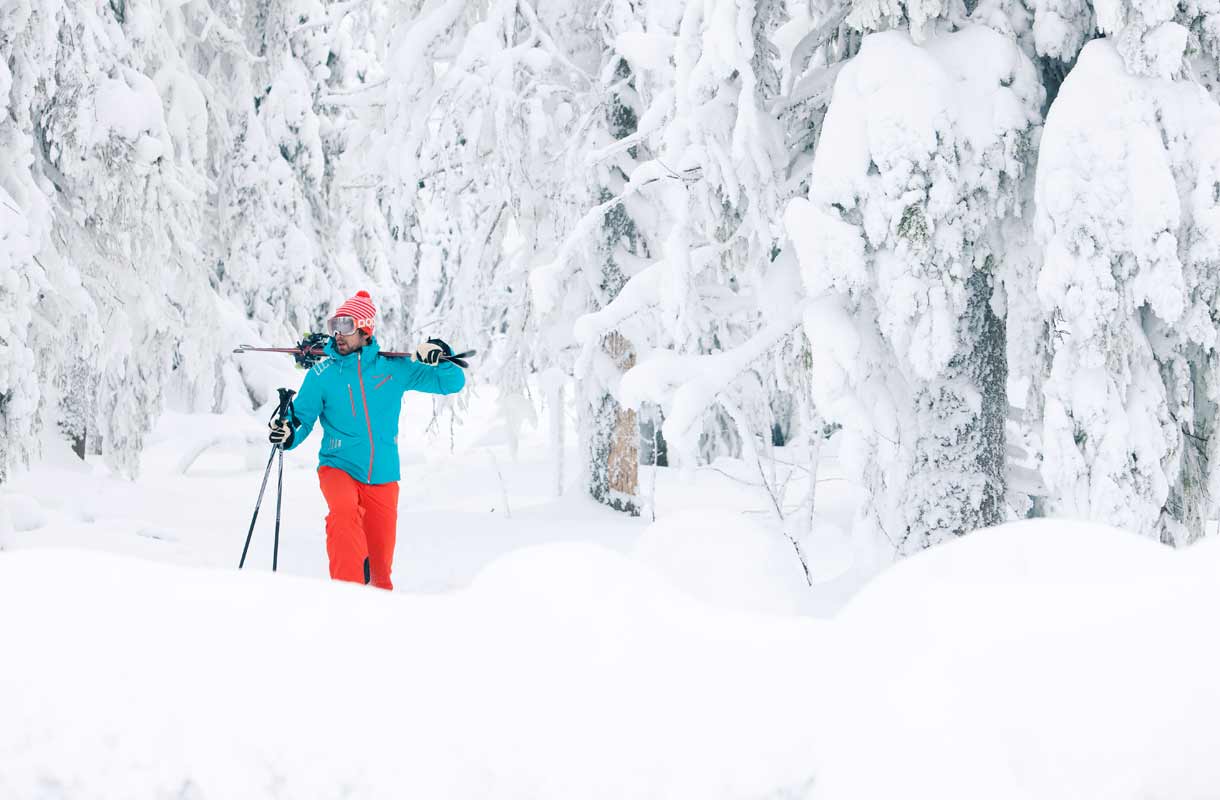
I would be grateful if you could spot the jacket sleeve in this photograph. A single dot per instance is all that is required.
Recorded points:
(306, 406)
(444, 378)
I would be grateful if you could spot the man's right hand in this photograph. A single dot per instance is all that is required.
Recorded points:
(281, 433)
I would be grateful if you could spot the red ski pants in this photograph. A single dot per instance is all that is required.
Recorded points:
(362, 522)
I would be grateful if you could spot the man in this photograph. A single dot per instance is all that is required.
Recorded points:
(357, 394)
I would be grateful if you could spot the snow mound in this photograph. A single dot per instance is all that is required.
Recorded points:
(727, 561)
(1037, 660)
(1042, 659)
(564, 671)
(24, 512)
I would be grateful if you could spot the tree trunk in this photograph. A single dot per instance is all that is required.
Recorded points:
(615, 452)
(957, 480)
(625, 442)
(653, 447)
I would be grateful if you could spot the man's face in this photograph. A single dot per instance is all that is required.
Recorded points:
(349, 343)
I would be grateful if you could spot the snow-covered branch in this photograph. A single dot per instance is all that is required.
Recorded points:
(685, 385)
(545, 280)
(819, 36)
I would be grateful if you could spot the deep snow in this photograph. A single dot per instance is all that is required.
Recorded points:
(565, 651)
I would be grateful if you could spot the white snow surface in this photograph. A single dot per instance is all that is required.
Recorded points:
(1024, 662)
(742, 566)
(1038, 660)
(563, 671)
(564, 651)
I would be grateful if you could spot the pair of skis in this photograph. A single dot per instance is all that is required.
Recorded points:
(314, 352)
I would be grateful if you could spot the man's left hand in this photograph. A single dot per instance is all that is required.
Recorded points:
(431, 352)
(282, 433)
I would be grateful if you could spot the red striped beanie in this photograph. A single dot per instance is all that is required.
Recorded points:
(361, 308)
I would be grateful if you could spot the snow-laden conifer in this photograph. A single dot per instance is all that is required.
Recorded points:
(1128, 213)
(921, 162)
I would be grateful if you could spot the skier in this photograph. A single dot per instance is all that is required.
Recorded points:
(357, 395)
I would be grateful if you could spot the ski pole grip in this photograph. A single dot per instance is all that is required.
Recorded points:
(286, 396)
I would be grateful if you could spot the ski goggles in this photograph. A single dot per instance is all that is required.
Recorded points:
(341, 326)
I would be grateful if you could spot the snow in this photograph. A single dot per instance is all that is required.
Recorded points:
(686, 385)
(24, 512)
(570, 652)
(544, 654)
(731, 564)
(895, 106)
(915, 194)
(175, 176)
(129, 106)
(880, 14)
(646, 51)
(530, 683)
(1125, 187)
(545, 279)
(1027, 661)
(1163, 49)
(826, 246)
(186, 113)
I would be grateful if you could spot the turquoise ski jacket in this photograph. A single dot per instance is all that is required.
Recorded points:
(358, 398)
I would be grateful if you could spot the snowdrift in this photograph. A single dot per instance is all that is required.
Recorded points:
(1038, 660)
(564, 671)
(1044, 659)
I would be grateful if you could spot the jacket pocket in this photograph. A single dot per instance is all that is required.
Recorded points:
(351, 398)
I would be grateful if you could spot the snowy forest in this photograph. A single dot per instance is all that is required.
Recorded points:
(772, 302)
(977, 242)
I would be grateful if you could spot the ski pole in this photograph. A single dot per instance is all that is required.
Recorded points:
(257, 504)
(282, 412)
(279, 497)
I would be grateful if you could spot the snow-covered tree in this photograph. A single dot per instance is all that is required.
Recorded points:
(713, 178)
(1129, 214)
(608, 246)
(281, 217)
(604, 191)
(487, 153)
(98, 177)
(24, 221)
(162, 157)
(922, 160)
(476, 120)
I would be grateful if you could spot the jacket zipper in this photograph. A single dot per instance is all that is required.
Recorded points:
(367, 423)
(351, 398)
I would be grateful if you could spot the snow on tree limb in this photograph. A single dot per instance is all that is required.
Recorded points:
(813, 89)
(545, 280)
(685, 385)
(815, 38)
(545, 37)
(643, 290)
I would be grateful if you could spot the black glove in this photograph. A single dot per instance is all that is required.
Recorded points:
(282, 433)
(431, 351)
